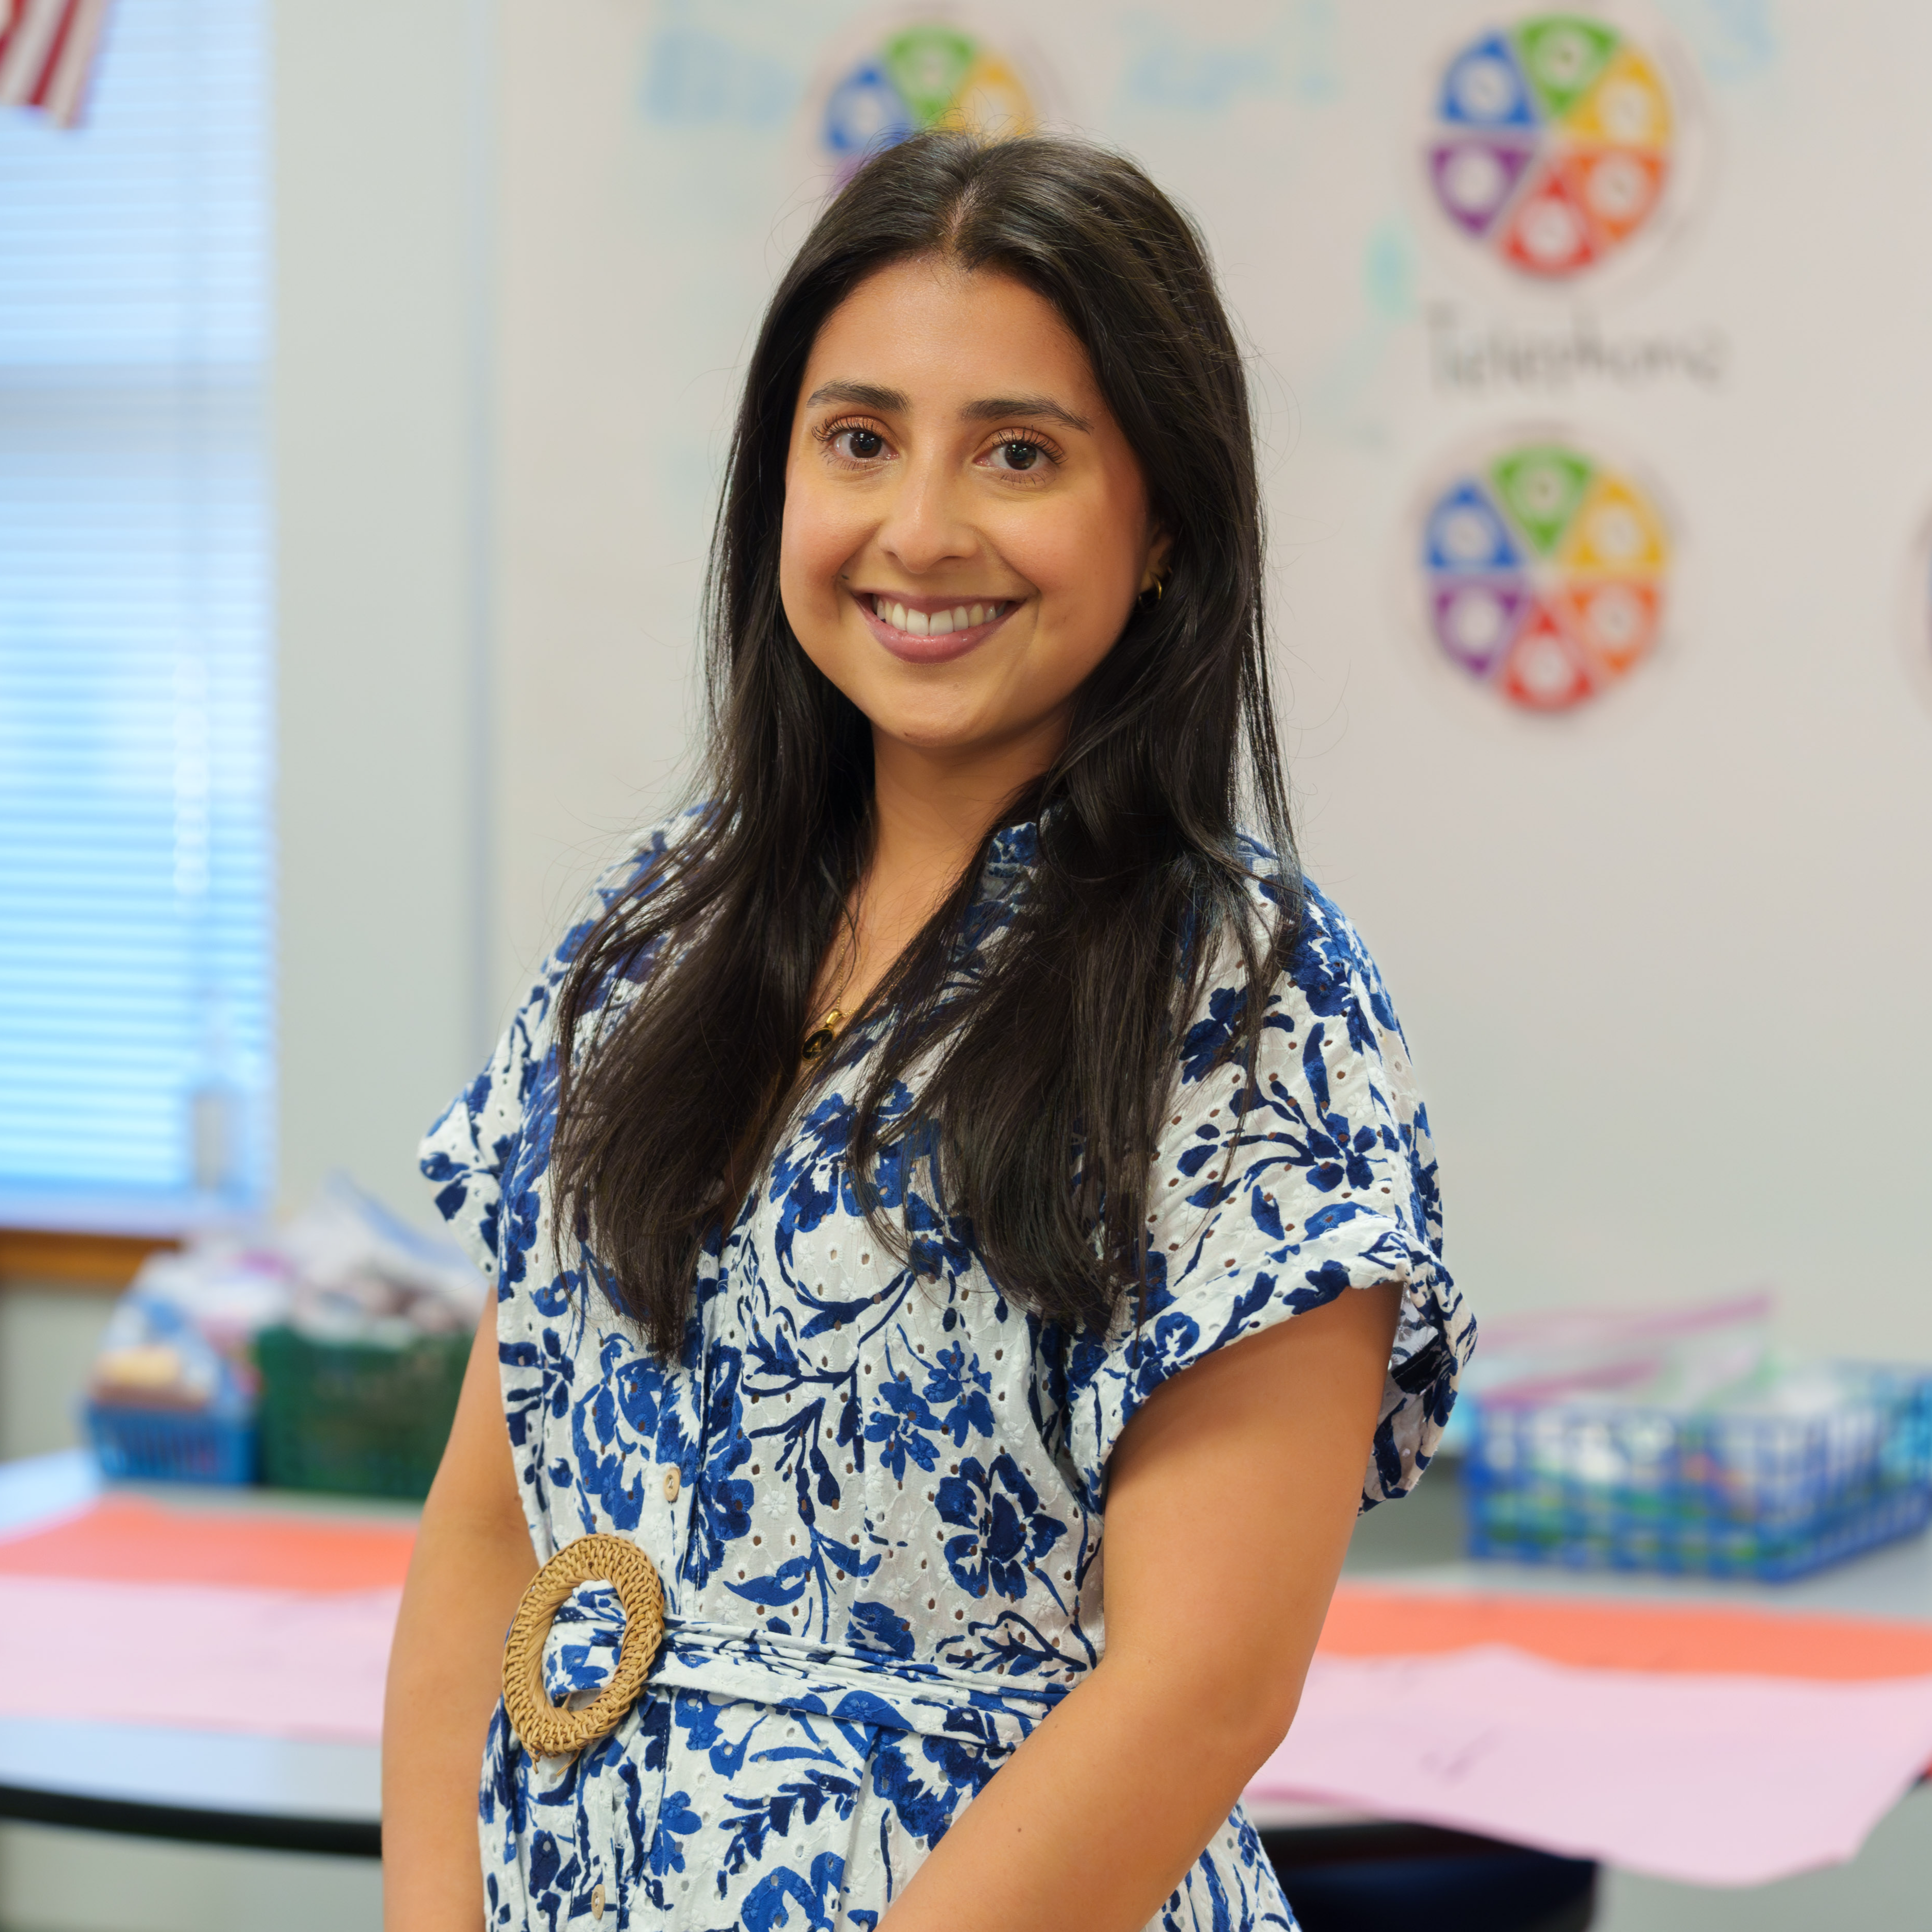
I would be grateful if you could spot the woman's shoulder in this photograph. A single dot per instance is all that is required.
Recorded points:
(633, 875)
(1323, 945)
(464, 1152)
(1319, 965)
(629, 879)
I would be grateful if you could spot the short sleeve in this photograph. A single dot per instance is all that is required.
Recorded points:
(1327, 1182)
(465, 1156)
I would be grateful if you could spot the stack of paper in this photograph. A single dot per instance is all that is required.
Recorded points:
(134, 1613)
(1716, 1746)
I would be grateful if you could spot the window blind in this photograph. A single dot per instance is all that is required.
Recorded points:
(135, 701)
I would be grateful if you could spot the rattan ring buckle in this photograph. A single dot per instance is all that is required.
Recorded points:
(553, 1730)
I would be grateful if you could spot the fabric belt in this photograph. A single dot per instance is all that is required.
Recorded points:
(839, 1681)
(852, 1686)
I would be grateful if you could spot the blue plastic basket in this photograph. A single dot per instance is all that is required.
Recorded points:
(171, 1445)
(1727, 1492)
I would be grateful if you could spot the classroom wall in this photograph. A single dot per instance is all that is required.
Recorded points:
(383, 128)
(606, 448)
(1661, 959)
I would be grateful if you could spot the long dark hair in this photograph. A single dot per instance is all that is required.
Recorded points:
(1056, 1058)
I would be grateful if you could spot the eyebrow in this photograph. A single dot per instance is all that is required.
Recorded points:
(870, 396)
(994, 407)
(860, 395)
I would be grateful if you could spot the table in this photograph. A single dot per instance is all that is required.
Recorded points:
(283, 1795)
(1416, 1546)
(200, 1787)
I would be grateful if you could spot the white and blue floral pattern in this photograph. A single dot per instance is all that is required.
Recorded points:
(874, 1491)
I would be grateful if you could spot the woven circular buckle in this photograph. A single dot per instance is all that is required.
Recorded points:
(553, 1730)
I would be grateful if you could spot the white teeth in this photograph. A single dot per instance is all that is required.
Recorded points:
(939, 623)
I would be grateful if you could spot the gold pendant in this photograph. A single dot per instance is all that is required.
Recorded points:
(818, 1041)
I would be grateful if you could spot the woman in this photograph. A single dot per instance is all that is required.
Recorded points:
(877, 1183)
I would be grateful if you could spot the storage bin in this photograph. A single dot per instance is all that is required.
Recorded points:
(1770, 1489)
(363, 1417)
(162, 1445)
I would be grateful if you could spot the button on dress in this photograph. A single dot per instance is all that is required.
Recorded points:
(874, 1488)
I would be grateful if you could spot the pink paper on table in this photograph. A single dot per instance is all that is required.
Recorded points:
(1726, 1779)
(290, 1663)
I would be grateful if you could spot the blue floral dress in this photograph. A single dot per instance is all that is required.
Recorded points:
(875, 1498)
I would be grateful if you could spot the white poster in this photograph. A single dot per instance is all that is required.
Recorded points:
(1590, 350)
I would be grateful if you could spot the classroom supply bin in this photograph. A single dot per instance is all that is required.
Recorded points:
(1770, 1482)
(159, 1445)
(370, 1417)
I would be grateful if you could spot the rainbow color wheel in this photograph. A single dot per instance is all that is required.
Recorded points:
(1552, 145)
(931, 74)
(1544, 574)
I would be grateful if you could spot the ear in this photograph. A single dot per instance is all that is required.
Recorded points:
(1160, 547)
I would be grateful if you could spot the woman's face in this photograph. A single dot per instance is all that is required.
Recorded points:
(965, 527)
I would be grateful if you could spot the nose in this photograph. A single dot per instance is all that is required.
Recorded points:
(926, 525)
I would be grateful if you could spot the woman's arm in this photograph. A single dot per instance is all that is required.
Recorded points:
(472, 1561)
(1230, 1500)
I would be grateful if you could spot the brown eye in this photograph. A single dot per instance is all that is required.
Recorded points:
(863, 444)
(1019, 455)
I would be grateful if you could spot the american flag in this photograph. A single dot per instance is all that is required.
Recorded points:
(46, 54)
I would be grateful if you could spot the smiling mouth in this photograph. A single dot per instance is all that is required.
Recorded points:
(932, 636)
(942, 623)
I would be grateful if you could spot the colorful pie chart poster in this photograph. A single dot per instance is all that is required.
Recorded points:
(906, 75)
(1545, 573)
(1556, 143)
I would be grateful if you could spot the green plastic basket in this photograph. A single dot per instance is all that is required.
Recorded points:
(356, 1416)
